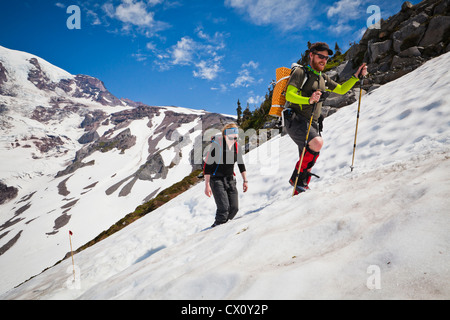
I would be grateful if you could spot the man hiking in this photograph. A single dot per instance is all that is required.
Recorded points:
(219, 173)
(304, 97)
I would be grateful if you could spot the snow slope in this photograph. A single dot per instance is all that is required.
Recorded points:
(389, 215)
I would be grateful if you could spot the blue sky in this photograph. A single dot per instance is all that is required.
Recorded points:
(201, 54)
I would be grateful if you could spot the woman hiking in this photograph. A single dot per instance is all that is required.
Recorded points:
(305, 102)
(219, 173)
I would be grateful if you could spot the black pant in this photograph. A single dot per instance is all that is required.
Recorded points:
(226, 196)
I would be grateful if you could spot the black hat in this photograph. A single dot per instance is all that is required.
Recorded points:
(320, 46)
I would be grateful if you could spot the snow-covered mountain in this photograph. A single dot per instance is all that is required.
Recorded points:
(73, 155)
(379, 232)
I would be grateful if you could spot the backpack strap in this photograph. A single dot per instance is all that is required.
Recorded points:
(236, 154)
(213, 140)
(221, 154)
(305, 78)
(294, 67)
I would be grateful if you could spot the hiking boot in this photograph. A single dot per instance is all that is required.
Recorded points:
(303, 181)
(299, 188)
(215, 224)
(303, 178)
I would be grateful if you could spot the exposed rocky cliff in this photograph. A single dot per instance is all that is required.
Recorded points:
(402, 43)
(7, 193)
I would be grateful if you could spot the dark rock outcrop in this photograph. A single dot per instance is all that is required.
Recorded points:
(3, 76)
(402, 43)
(89, 137)
(92, 88)
(7, 193)
(39, 78)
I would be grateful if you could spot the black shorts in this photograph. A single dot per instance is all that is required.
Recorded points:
(297, 128)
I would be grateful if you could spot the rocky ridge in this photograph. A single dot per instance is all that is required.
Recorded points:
(403, 42)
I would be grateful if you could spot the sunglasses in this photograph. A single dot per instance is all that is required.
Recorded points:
(231, 131)
(321, 56)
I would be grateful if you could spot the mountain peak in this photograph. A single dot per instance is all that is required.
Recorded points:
(24, 75)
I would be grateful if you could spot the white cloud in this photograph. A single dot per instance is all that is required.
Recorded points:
(255, 100)
(207, 70)
(222, 88)
(340, 28)
(283, 14)
(343, 12)
(151, 46)
(201, 34)
(203, 54)
(183, 51)
(140, 56)
(108, 8)
(94, 17)
(345, 9)
(154, 2)
(135, 13)
(245, 78)
(251, 64)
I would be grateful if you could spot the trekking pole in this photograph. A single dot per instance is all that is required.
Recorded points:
(304, 149)
(73, 264)
(357, 122)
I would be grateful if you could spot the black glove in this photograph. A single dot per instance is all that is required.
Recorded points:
(324, 96)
